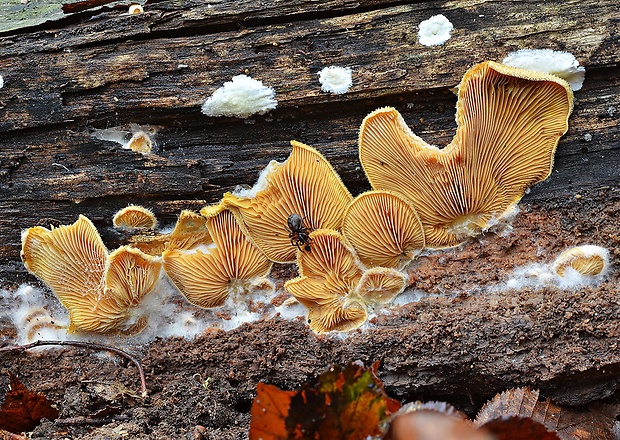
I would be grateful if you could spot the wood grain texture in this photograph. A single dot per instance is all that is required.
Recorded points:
(104, 68)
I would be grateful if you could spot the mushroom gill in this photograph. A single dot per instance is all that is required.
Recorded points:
(228, 267)
(336, 288)
(328, 276)
(101, 292)
(380, 285)
(587, 260)
(134, 217)
(190, 231)
(384, 229)
(509, 123)
(305, 184)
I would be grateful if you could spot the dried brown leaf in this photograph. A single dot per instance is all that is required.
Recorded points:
(519, 428)
(22, 409)
(567, 423)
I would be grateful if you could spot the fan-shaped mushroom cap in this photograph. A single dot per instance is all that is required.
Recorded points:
(509, 124)
(134, 217)
(230, 266)
(380, 285)
(587, 260)
(306, 184)
(98, 290)
(384, 229)
(190, 231)
(329, 275)
(69, 259)
(130, 275)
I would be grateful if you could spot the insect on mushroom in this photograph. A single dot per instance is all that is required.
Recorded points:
(299, 235)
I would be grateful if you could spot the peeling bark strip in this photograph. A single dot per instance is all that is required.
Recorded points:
(102, 68)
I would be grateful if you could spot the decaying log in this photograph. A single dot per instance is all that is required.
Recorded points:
(103, 68)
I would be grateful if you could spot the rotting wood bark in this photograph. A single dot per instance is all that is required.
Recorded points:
(113, 69)
(101, 68)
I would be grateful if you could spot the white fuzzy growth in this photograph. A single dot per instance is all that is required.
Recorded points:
(558, 63)
(435, 31)
(540, 276)
(261, 183)
(1, 81)
(21, 307)
(291, 310)
(408, 296)
(591, 250)
(168, 313)
(502, 225)
(335, 79)
(242, 97)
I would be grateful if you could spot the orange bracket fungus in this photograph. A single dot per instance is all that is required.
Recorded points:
(101, 292)
(134, 217)
(334, 286)
(230, 266)
(509, 123)
(384, 229)
(305, 184)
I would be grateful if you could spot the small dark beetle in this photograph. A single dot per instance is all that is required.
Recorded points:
(299, 235)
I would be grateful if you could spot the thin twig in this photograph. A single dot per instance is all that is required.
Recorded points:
(81, 420)
(82, 344)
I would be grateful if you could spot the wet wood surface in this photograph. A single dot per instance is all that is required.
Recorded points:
(104, 68)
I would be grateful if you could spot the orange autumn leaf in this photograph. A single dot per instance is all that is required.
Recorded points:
(347, 403)
(269, 411)
(22, 409)
(567, 423)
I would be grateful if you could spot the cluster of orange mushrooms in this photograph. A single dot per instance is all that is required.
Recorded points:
(509, 123)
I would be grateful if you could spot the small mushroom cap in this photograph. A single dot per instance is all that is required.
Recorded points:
(384, 229)
(190, 231)
(134, 217)
(380, 285)
(135, 9)
(587, 260)
(98, 290)
(329, 275)
(140, 142)
(130, 275)
(230, 266)
(509, 123)
(306, 184)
